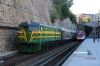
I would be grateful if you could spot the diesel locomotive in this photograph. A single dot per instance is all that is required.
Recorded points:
(34, 37)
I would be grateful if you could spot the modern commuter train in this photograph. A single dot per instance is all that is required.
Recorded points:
(81, 35)
(34, 37)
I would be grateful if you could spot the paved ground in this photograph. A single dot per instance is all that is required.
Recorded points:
(87, 54)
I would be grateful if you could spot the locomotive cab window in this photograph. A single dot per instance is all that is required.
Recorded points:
(80, 34)
(33, 27)
(23, 27)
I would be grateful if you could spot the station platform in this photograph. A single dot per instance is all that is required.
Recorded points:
(87, 54)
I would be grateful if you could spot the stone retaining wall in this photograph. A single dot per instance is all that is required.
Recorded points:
(8, 39)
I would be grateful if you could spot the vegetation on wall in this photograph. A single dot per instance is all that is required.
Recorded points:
(62, 10)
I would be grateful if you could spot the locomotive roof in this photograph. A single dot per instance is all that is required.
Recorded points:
(34, 23)
(29, 23)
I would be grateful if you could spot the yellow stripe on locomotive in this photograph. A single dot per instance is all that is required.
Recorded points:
(39, 34)
(22, 34)
(36, 34)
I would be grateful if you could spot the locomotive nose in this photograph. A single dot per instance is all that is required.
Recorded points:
(28, 35)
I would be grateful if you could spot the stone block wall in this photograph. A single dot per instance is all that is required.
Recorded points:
(8, 39)
(67, 24)
(13, 12)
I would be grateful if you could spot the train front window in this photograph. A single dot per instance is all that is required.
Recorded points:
(33, 27)
(80, 34)
(23, 27)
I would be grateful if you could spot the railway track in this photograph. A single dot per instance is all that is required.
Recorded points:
(17, 58)
(20, 57)
(60, 59)
(57, 58)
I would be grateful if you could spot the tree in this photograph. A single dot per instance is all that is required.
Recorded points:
(62, 8)
(65, 11)
(73, 18)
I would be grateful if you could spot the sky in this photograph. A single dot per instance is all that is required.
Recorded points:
(85, 6)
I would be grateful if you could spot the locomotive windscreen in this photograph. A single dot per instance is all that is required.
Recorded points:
(80, 34)
(35, 27)
(23, 27)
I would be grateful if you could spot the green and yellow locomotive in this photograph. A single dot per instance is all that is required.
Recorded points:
(34, 37)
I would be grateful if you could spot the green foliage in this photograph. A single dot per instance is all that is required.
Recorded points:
(62, 8)
(73, 18)
(53, 16)
(65, 11)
